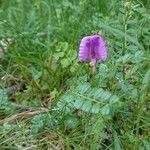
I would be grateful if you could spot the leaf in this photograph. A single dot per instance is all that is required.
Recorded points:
(71, 122)
(117, 143)
(98, 93)
(3, 96)
(83, 88)
(78, 103)
(65, 62)
(87, 105)
(66, 99)
(69, 98)
(106, 95)
(35, 73)
(105, 110)
(146, 80)
(124, 59)
(59, 55)
(114, 99)
(138, 57)
(146, 144)
(95, 108)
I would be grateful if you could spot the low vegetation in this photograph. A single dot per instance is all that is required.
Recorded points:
(50, 100)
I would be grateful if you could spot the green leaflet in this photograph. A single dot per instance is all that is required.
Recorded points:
(117, 143)
(146, 80)
(3, 97)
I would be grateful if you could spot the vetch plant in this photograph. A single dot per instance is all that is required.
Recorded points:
(93, 49)
(83, 96)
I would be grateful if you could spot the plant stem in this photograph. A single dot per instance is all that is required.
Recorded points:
(125, 39)
(94, 69)
(127, 8)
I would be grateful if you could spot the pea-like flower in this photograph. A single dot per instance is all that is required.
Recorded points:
(92, 49)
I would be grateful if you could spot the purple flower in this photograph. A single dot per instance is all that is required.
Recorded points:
(92, 49)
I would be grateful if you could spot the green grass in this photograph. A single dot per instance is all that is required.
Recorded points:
(49, 100)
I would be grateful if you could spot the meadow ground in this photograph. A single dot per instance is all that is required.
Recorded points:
(50, 100)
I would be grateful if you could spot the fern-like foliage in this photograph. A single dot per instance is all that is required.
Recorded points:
(88, 99)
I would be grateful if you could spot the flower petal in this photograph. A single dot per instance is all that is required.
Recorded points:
(101, 49)
(84, 50)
